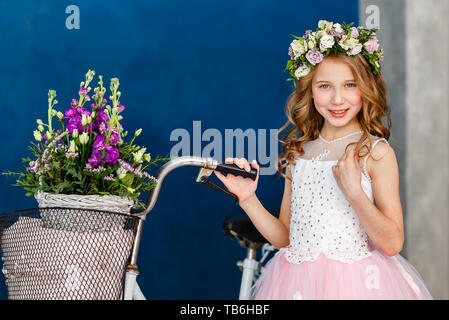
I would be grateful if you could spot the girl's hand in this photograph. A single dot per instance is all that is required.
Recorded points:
(347, 173)
(243, 188)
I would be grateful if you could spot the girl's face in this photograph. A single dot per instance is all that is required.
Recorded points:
(335, 94)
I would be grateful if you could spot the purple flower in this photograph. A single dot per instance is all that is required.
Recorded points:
(102, 116)
(75, 123)
(114, 138)
(82, 110)
(121, 107)
(70, 113)
(371, 45)
(354, 32)
(95, 158)
(99, 142)
(103, 128)
(82, 91)
(314, 56)
(75, 115)
(74, 102)
(34, 165)
(109, 177)
(306, 35)
(112, 154)
(290, 53)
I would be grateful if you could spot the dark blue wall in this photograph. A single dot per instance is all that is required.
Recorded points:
(218, 62)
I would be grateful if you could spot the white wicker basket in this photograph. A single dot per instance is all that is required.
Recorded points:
(80, 220)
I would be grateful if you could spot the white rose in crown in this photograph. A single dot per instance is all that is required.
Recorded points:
(320, 34)
(356, 50)
(302, 71)
(311, 43)
(298, 48)
(326, 42)
(325, 25)
(338, 28)
(348, 43)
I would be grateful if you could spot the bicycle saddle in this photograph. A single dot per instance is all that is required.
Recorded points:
(243, 229)
(238, 225)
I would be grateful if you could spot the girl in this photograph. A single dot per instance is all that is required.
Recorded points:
(340, 228)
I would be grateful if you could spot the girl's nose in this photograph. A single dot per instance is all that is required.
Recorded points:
(337, 97)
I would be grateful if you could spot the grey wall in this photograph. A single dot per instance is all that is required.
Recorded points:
(414, 37)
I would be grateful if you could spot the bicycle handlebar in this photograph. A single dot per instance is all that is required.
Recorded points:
(207, 163)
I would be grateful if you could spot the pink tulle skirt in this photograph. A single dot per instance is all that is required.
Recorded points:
(378, 276)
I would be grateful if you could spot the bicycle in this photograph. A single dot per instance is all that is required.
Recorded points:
(49, 267)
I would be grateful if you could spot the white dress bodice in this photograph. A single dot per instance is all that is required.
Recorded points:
(322, 220)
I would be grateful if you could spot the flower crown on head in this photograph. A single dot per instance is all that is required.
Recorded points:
(307, 51)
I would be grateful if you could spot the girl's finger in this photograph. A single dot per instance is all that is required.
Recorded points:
(240, 163)
(356, 160)
(347, 155)
(255, 165)
(222, 178)
(246, 165)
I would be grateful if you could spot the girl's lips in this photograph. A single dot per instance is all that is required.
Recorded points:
(338, 115)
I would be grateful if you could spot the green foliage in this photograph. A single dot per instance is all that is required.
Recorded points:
(60, 165)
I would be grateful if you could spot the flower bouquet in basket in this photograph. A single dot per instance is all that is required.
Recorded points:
(86, 163)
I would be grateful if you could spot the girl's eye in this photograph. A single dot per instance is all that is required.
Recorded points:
(349, 85)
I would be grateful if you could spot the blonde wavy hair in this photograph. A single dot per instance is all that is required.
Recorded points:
(307, 122)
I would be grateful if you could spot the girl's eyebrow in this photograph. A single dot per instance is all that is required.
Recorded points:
(350, 80)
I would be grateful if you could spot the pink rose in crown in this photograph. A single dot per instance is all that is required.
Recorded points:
(314, 56)
(371, 45)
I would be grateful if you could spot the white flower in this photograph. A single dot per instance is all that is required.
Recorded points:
(121, 173)
(312, 36)
(75, 133)
(320, 34)
(338, 28)
(138, 155)
(72, 148)
(326, 42)
(84, 138)
(302, 71)
(348, 43)
(83, 120)
(356, 50)
(312, 43)
(325, 25)
(298, 48)
(37, 135)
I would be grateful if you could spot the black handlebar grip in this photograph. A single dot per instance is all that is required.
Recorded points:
(235, 170)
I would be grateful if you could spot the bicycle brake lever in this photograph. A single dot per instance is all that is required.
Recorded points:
(203, 178)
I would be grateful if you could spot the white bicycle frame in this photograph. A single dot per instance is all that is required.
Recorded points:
(251, 269)
(131, 290)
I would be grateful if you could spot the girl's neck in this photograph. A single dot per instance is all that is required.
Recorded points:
(331, 133)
